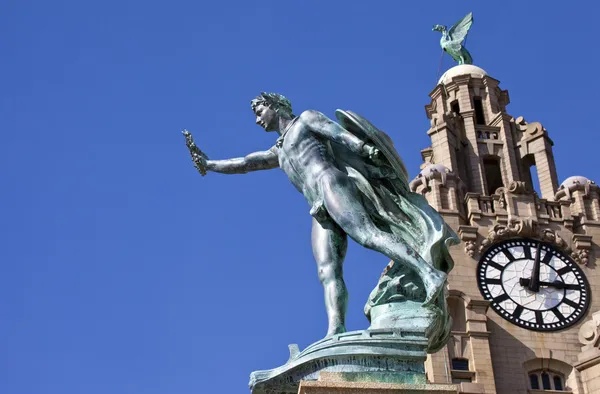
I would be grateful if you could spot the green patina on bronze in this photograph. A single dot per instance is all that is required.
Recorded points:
(452, 40)
(357, 187)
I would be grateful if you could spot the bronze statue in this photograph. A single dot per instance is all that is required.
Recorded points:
(356, 185)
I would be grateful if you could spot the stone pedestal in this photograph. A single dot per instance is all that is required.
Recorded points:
(357, 357)
(334, 383)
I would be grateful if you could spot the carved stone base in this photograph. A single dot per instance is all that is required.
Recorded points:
(384, 355)
(334, 383)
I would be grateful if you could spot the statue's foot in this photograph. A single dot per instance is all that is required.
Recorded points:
(434, 283)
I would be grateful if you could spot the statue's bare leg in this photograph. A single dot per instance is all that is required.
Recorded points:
(343, 203)
(329, 243)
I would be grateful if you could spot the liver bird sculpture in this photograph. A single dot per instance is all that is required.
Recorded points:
(452, 40)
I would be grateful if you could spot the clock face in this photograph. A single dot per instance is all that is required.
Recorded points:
(544, 293)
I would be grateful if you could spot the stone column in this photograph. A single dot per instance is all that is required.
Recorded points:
(540, 146)
(480, 344)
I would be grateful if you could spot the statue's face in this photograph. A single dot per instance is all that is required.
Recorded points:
(439, 28)
(266, 117)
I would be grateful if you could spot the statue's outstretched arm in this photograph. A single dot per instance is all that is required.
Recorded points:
(322, 125)
(256, 161)
(253, 162)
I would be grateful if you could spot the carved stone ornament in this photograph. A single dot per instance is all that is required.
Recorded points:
(515, 187)
(470, 248)
(589, 333)
(553, 238)
(529, 128)
(502, 199)
(518, 187)
(581, 256)
(524, 227)
(468, 234)
(514, 228)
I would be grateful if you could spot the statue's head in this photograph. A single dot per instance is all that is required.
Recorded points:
(269, 107)
(440, 28)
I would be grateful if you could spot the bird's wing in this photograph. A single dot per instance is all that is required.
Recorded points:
(459, 31)
(453, 46)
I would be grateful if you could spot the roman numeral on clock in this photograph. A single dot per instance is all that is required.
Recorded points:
(564, 270)
(539, 319)
(508, 255)
(558, 314)
(547, 258)
(493, 281)
(496, 265)
(572, 304)
(518, 310)
(501, 297)
(527, 252)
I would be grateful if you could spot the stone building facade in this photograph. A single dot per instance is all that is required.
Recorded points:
(538, 333)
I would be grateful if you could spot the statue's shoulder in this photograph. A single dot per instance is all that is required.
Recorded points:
(310, 116)
(308, 120)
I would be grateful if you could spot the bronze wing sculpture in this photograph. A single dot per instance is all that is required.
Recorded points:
(452, 40)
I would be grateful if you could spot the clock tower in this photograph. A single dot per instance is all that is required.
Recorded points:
(525, 286)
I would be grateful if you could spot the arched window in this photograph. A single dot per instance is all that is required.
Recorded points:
(534, 382)
(558, 383)
(546, 380)
(530, 173)
(547, 374)
(462, 161)
(493, 174)
(479, 117)
(457, 309)
(454, 107)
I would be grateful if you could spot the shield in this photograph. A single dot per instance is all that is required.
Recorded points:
(364, 130)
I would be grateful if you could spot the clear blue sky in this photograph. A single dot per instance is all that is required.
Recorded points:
(122, 270)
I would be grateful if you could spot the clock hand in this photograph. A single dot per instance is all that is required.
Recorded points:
(557, 284)
(534, 283)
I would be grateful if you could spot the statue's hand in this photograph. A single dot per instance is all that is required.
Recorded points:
(198, 157)
(375, 155)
